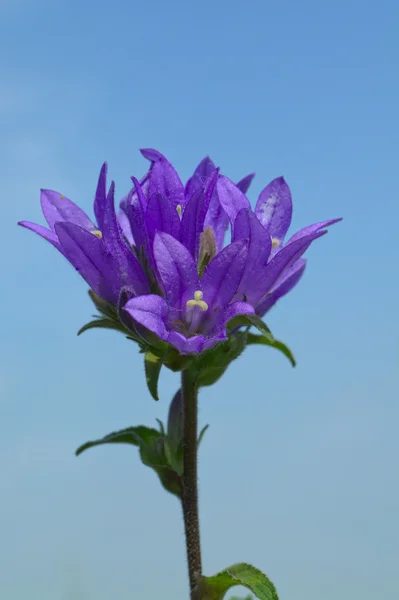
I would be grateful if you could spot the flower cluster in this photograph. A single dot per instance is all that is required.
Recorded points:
(162, 260)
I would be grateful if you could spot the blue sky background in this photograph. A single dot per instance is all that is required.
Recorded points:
(298, 471)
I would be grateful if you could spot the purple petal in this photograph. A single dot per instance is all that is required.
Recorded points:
(200, 175)
(185, 345)
(217, 219)
(150, 311)
(223, 274)
(101, 196)
(283, 259)
(57, 208)
(45, 233)
(192, 223)
(287, 280)
(311, 229)
(245, 182)
(130, 270)
(176, 268)
(161, 215)
(231, 198)
(86, 253)
(134, 207)
(247, 226)
(235, 309)
(163, 178)
(274, 208)
(125, 226)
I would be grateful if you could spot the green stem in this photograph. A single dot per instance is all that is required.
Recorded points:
(190, 481)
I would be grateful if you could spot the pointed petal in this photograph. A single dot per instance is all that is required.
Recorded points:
(247, 226)
(185, 345)
(235, 309)
(163, 178)
(217, 218)
(287, 280)
(223, 274)
(200, 175)
(283, 259)
(245, 182)
(311, 229)
(101, 196)
(57, 208)
(161, 215)
(274, 208)
(45, 233)
(192, 223)
(86, 253)
(130, 270)
(176, 268)
(231, 198)
(125, 226)
(133, 205)
(150, 311)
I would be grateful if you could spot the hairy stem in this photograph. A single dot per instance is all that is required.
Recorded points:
(190, 481)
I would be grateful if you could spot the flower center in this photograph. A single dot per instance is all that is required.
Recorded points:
(179, 210)
(275, 243)
(97, 233)
(197, 301)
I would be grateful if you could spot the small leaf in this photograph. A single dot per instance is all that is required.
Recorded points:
(260, 339)
(152, 453)
(130, 435)
(201, 435)
(215, 588)
(100, 323)
(161, 426)
(249, 597)
(152, 365)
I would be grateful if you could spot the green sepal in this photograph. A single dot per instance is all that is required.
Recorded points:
(211, 365)
(152, 366)
(102, 323)
(252, 320)
(215, 588)
(151, 444)
(260, 339)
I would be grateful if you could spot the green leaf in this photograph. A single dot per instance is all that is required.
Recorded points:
(249, 597)
(215, 588)
(102, 323)
(152, 365)
(131, 435)
(152, 453)
(201, 435)
(211, 365)
(252, 320)
(259, 339)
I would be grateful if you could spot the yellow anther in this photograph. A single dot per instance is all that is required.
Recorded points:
(197, 301)
(275, 243)
(97, 233)
(62, 196)
(179, 210)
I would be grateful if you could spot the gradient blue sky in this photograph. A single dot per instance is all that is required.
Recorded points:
(298, 471)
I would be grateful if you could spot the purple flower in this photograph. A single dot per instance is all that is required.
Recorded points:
(194, 312)
(97, 251)
(162, 261)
